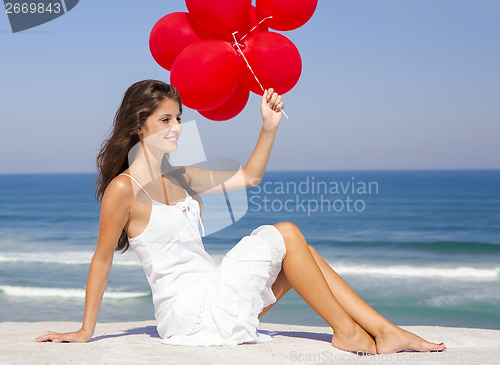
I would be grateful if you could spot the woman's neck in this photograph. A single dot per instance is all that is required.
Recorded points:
(147, 165)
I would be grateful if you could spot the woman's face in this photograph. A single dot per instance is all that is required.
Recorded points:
(161, 130)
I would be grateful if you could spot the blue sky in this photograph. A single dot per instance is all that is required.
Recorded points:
(386, 84)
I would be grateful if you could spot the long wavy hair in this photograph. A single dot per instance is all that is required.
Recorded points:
(139, 102)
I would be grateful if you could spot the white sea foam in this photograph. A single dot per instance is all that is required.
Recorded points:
(26, 291)
(130, 259)
(451, 272)
(75, 258)
(65, 258)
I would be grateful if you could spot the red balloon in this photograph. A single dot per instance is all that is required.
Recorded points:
(251, 21)
(219, 16)
(230, 108)
(287, 14)
(206, 74)
(274, 59)
(170, 35)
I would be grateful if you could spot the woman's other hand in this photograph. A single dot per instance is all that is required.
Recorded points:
(270, 107)
(80, 336)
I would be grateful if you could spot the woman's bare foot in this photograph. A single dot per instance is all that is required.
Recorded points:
(356, 339)
(395, 339)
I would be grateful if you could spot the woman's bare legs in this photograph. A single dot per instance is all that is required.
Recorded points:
(389, 338)
(304, 275)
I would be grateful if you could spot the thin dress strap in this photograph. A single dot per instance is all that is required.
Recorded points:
(137, 182)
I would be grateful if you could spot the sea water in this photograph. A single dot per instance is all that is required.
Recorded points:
(421, 247)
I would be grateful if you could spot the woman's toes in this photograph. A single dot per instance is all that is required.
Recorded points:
(429, 346)
(401, 340)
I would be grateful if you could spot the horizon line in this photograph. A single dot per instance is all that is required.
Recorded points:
(275, 170)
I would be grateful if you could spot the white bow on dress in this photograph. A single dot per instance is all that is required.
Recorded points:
(191, 210)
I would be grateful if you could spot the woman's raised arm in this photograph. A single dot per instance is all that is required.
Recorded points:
(115, 209)
(212, 181)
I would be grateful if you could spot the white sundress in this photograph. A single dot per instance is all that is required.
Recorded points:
(198, 303)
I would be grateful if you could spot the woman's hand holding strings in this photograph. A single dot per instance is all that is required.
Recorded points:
(271, 107)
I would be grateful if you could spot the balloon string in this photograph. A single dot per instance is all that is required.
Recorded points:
(248, 65)
(251, 30)
(253, 73)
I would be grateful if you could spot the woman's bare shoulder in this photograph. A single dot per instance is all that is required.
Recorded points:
(120, 188)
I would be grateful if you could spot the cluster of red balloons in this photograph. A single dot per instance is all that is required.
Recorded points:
(206, 58)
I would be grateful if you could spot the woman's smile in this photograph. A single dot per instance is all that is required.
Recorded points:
(173, 139)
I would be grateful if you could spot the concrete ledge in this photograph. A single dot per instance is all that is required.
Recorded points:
(136, 343)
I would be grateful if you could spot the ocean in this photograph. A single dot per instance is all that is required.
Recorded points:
(421, 247)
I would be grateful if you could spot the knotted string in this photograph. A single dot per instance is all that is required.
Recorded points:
(251, 30)
(189, 208)
(237, 44)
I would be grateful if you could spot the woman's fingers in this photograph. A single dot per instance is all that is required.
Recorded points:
(275, 102)
(272, 100)
(270, 92)
(49, 335)
(279, 102)
(265, 98)
(53, 336)
(63, 337)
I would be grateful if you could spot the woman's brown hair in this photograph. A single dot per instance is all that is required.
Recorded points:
(139, 102)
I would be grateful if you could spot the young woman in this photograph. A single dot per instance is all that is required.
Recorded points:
(155, 208)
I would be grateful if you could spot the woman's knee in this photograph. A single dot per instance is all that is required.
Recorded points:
(287, 228)
(290, 233)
